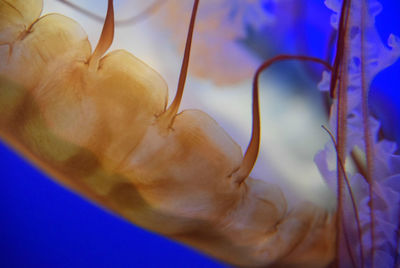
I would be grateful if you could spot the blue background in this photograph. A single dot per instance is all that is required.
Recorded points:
(43, 225)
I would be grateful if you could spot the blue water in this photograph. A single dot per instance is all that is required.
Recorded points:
(44, 225)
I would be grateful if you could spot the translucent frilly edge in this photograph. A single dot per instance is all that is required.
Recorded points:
(249, 13)
(367, 55)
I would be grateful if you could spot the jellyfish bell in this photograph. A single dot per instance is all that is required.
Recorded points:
(148, 198)
(180, 175)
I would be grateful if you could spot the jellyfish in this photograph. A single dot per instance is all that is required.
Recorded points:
(385, 148)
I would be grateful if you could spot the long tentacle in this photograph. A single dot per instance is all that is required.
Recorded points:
(106, 38)
(252, 150)
(353, 203)
(169, 115)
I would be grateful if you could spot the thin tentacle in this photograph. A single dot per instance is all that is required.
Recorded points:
(252, 150)
(106, 38)
(172, 110)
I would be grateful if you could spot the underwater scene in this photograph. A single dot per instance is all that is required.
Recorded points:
(201, 133)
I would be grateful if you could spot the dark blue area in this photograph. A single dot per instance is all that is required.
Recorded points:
(385, 89)
(268, 6)
(44, 225)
